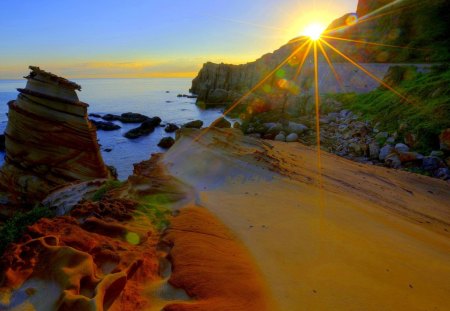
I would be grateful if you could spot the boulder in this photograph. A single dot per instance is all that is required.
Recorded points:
(194, 124)
(393, 161)
(171, 127)
(95, 115)
(221, 123)
(374, 150)
(442, 173)
(355, 149)
(145, 128)
(401, 148)
(293, 137)
(131, 117)
(273, 127)
(111, 117)
(166, 142)
(280, 137)
(151, 122)
(105, 125)
(385, 151)
(390, 140)
(236, 125)
(297, 128)
(431, 163)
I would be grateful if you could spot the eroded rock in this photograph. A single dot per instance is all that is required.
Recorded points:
(49, 141)
(194, 124)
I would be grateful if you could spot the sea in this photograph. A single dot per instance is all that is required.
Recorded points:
(151, 97)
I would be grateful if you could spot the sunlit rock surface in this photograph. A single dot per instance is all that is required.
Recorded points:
(320, 235)
(395, 32)
(49, 140)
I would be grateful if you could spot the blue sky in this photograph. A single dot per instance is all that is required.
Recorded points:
(149, 38)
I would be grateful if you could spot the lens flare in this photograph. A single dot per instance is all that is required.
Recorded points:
(314, 31)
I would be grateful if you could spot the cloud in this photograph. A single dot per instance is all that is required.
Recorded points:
(176, 67)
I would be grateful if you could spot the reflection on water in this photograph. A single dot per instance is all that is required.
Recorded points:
(152, 97)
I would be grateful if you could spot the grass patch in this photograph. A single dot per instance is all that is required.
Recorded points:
(109, 185)
(425, 114)
(157, 208)
(14, 227)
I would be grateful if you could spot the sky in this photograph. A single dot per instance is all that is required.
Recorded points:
(137, 38)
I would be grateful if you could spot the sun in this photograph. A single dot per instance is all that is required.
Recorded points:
(314, 31)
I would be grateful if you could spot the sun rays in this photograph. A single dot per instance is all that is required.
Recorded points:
(317, 41)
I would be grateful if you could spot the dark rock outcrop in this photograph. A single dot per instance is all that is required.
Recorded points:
(145, 128)
(171, 127)
(196, 124)
(166, 142)
(128, 117)
(131, 117)
(49, 140)
(105, 125)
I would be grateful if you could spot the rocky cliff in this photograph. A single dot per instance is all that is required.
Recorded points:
(418, 27)
(218, 83)
(49, 140)
(415, 30)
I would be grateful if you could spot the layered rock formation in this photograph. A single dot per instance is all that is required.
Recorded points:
(49, 140)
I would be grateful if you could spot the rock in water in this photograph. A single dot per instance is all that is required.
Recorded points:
(105, 125)
(145, 128)
(171, 127)
(49, 140)
(166, 142)
(131, 117)
(194, 124)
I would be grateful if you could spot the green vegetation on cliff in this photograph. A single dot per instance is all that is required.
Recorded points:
(14, 227)
(420, 27)
(425, 113)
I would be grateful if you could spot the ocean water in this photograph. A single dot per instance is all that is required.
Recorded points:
(152, 97)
